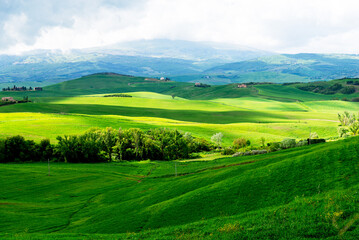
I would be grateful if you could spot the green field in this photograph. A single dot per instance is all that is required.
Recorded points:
(308, 192)
(269, 111)
(241, 117)
(300, 193)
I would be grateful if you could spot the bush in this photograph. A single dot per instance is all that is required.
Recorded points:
(313, 135)
(240, 143)
(288, 143)
(302, 143)
(355, 99)
(274, 146)
(348, 90)
(228, 151)
(200, 145)
(315, 141)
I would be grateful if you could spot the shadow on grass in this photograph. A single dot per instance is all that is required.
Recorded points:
(181, 115)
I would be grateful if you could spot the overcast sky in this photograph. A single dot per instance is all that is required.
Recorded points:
(289, 26)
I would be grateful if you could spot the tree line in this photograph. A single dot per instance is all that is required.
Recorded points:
(106, 145)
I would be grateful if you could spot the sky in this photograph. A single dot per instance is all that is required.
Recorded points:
(283, 26)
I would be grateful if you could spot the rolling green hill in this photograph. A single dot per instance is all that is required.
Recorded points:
(301, 193)
(272, 111)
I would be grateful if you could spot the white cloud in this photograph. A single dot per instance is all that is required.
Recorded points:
(277, 25)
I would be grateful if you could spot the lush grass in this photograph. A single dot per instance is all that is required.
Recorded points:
(251, 118)
(308, 192)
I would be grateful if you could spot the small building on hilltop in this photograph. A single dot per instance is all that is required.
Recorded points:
(8, 99)
(242, 86)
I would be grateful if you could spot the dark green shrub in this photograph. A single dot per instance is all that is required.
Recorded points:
(348, 90)
(315, 141)
(274, 146)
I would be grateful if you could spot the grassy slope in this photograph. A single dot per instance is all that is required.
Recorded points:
(309, 192)
(269, 111)
(50, 117)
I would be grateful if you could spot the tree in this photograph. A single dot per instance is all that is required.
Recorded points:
(343, 132)
(109, 139)
(173, 96)
(350, 122)
(354, 128)
(217, 139)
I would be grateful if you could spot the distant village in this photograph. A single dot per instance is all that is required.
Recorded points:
(21, 89)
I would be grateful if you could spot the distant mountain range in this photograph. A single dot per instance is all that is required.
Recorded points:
(181, 60)
(305, 65)
(140, 58)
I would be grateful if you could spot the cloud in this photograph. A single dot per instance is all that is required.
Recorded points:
(278, 25)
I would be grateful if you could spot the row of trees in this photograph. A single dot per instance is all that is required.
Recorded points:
(17, 149)
(106, 145)
(332, 89)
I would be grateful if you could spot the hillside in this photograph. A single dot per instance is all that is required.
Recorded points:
(112, 83)
(307, 192)
(270, 111)
(296, 67)
(117, 83)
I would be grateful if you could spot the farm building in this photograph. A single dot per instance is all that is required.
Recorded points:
(242, 86)
(8, 99)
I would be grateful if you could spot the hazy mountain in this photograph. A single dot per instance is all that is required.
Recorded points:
(140, 58)
(305, 65)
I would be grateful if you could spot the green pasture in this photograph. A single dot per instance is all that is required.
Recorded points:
(271, 111)
(248, 117)
(301, 193)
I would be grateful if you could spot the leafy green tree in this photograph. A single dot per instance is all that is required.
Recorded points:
(350, 122)
(45, 150)
(109, 139)
(343, 132)
(354, 128)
